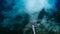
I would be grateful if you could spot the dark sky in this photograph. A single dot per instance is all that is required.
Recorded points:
(58, 4)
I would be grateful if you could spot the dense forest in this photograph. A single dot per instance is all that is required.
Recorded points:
(16, 19)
